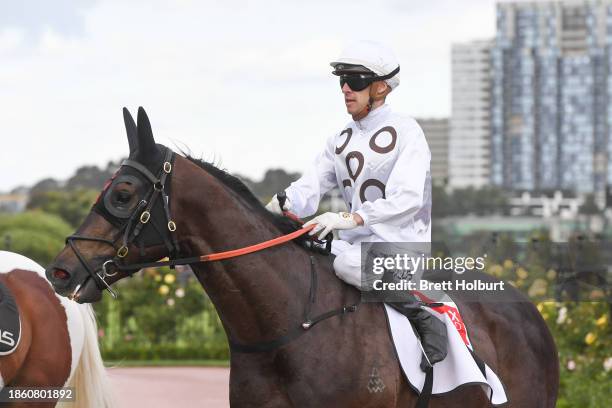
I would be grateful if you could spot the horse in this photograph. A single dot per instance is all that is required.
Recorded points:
(58, 346)
(162, 204)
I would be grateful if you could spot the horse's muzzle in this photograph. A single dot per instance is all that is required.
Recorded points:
(87, 293)
(60, 278)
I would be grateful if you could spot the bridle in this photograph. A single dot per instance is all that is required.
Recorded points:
(132, 229)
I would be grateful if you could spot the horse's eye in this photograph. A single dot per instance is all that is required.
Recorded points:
(123, 197)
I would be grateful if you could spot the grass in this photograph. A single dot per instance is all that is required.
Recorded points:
(167, 363)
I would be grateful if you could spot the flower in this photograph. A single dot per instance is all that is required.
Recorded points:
(150, 271)
(522, 273)
(571, 365)
(562, 315)
(169, 278)
(163, 290)
(180, 292)
(590, 338)
(170, 302)
(602, 320)
(538, 288)
(607, 364)
(496, 270)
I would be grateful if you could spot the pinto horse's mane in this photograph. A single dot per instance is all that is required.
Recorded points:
(284, 224)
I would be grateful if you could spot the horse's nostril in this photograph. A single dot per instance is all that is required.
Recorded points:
(61, 274)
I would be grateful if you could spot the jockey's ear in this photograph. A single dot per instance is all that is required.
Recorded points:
(383, 89)
(132, 133)
(146, 143)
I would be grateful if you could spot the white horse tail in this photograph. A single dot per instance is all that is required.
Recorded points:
(90, 380)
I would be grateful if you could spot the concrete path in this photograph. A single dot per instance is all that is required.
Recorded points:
(163, 387)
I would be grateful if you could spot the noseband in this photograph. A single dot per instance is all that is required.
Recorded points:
(132, 228)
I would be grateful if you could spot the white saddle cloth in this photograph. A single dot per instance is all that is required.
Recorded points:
(456, 369)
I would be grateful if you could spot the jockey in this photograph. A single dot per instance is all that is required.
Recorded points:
(380, 163)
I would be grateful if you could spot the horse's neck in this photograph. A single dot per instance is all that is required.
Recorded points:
(256, 295)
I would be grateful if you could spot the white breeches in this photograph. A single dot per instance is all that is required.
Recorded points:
(347, 264)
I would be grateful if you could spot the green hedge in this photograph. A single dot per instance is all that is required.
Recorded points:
(207, 350)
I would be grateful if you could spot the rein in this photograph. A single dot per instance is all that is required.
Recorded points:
(217, 256)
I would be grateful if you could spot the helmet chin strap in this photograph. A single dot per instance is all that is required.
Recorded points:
(368, 108)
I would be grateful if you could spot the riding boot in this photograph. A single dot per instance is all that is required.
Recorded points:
(431, 330)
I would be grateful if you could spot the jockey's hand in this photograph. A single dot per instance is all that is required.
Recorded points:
(274, 205)
(331, 221)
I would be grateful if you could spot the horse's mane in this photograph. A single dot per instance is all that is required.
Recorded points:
(284, 224)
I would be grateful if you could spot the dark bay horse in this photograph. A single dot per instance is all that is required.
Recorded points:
(58, 345)
(263, 296)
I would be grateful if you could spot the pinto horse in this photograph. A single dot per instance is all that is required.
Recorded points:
(58, 346)
(162, 204)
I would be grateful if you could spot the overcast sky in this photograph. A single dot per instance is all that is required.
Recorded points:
(246, 83)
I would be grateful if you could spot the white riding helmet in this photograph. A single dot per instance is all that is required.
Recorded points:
(374, 56)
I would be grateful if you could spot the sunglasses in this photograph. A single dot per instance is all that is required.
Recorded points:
(357, 82)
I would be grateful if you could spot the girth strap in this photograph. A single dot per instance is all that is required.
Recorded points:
(264, 346)
(425, 395)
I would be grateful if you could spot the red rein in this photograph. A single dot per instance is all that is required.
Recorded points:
(262, 245)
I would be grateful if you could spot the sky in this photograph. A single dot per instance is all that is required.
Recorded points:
(246, 84)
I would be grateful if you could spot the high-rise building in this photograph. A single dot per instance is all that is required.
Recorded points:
(469, 140)
(436, 133)
(551, 107)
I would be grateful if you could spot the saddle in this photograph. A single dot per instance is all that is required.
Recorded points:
(460, 367)
(10, 322)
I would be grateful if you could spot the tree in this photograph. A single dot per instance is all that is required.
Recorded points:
(45, 186)
(34, 234)
(465, 201)
(72, 206)
(89, 177)
(274, 181)
(589, 207)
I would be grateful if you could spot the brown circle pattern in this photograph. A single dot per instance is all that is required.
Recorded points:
(385, 149)
(361, 161)
(349, 133)
(371, 183)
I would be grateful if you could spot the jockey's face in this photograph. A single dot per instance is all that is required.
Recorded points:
(357, 101)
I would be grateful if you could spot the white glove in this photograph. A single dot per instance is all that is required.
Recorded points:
(274, 206)
(331, 221)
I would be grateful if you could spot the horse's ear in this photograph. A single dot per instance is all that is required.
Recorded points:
(132, 133)
(146, 142)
